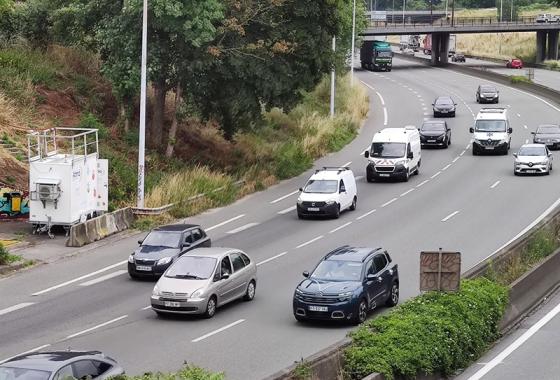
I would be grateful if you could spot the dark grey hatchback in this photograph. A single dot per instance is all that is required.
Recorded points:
(346, 284)
(163, 245)
(60, 365)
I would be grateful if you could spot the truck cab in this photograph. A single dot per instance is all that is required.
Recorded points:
(491, 131)
(376, 56)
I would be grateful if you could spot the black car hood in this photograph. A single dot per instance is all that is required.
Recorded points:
(327, 287)
(154, 252)
(431, 133)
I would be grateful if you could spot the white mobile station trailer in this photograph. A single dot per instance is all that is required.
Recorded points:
(68, 182)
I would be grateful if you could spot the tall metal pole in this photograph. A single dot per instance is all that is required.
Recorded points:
(511, 9)
(446, 4)
(403, 9)
(453, 13)
(393, 13)
(431, 12)
(333, 78)
(353, 44)
(142, 128)
(501, 10)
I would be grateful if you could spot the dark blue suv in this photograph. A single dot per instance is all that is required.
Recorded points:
(346, 284)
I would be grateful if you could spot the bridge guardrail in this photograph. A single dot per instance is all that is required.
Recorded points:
(457, 21)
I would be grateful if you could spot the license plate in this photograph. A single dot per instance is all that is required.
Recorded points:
(531, 171)
(313, 209)
(318, 308)
(384, 175)
(143, 268)
(443, 111)
(171, 304)
(432, 141)
(489, 147)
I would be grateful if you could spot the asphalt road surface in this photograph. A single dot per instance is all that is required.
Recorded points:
(457, 202)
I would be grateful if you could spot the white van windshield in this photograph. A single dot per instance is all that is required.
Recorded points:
(388, 150)
(321, 186)
(490, 126)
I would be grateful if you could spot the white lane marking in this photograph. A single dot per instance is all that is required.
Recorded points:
(217, 331)
(366, 214)
(495, 184)
(423, 183)
(341, 227)
(435, 175)
(462, 153)
(243, 228)
(227, 221)
(385, 117)
(468, 146)
(389, 202)
(380, 98)
(445, 167)
(407, 192)
(287, 210)
(516, 344)
(450, 216)
(284, 197)
(309, 242)
(26, 352)
(455, 159)
(426, 114)
(96, 327)
(80, 278)
(424, 108)
(367, 85)
(359, 177)
(526, 141)
(146, 308)
(15, 307)
(509, 105)
(419, 96)
(347, 164)
(525, 127)
(103, 278)
(518, 115)
(272, 258)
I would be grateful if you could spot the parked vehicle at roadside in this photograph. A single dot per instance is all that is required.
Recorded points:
(492, 131)
(546, 18)
(346, 284)
(203, 280)
(532, 159)
(395, 153)
(487, 94)
(458, 57)
(60, 365)
(328, 192)
(162, 246)
(435, 133)
(548, 134)
(444, 106)
(514, 63)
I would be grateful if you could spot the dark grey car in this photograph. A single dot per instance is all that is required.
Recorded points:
(487, 94)
(444, 106)
(60, 365)
(548, 135)
(435, 133)
(162, 246)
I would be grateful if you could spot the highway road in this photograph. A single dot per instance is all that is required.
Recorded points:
(529, 352)
(457, 202)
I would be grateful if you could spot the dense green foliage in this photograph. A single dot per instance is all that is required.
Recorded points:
(188, 372)
(434, 333)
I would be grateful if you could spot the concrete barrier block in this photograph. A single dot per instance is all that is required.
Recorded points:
(101, 224)
(77, 236)
(111, 225)
(128, 217)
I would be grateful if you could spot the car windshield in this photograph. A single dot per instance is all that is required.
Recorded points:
(433, 127)
(532, 151)
(192, 267)
(490, 126)
(549, 129)
(11, 373)
(487, 89)
(163, 239)
(385, 53)
(321, 186)
(388, 150)
(444, 101)
(336, 270)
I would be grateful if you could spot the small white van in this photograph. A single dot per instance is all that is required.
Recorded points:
(394, 153)
(491, 132)
(328, 192)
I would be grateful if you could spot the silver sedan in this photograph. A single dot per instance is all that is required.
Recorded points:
(204, 279)
(532, 159)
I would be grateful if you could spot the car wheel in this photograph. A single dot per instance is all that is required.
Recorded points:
(406, 176)
(477, 99)
(515, 173)
(497, 100)
(393, 299)
(160, 314)
(299, 318)
(361, 312)
(369, 178)
(353, 205)
(210, 307)
(300, 216)
(446, 144)
(474, 151)
(133, 276)
(336, 214)
(250, 292)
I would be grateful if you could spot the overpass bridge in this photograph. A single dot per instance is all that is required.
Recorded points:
(440, 29)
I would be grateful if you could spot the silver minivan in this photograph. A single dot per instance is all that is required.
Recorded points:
(204, 279)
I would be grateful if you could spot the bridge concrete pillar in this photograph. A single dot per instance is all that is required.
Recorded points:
(552, 51)
(440, 47)
(541, 46)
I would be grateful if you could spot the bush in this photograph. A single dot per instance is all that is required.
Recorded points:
(189, 372)
(6, 257)
(292, 160)
(434, 333)
(519, 79)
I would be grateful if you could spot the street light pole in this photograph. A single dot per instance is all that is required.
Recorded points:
(142, 127)
(403, 9)
(333, 78)
(353, 44)
(446, 4)
(393, 13)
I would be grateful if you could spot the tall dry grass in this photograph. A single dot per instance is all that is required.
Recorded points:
(513, 45)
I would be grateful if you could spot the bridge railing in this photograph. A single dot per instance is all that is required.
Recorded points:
(450, 22)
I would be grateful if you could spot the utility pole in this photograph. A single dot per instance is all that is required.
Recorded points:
(403, 9)
(353, 44)
(453, 13)
(511, 9)
(393, 13)
(142, 127)
(446, 4)
(431, 12)
(333, 78)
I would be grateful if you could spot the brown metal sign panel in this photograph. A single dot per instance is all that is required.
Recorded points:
(440, 271)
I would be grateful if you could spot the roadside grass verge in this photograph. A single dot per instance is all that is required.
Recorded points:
(6, 257)
(552, 65)
(434, 333)
(189, 372)
(519, 79)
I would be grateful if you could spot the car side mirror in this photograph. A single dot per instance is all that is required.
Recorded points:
(471, 130)
(433, 104)
(301, 189)
(510, 130)
(186, 244)
(366, 154)
(515, 155)
(342, 191)
(533, 133)
(305, 274)
(410, 155)
(225, 276)
(373, 277)
(140, 241)
(454, 104)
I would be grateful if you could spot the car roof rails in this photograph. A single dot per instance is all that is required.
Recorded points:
(493, 110)
(338, 169)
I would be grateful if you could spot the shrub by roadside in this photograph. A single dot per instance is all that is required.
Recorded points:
(5, 256)
(434, 333)
(519, 79)
(188, 372)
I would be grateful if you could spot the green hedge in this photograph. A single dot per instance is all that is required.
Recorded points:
(188, 372)
(432, 333)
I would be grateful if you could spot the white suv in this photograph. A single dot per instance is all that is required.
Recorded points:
(492, 131)
(328, 192)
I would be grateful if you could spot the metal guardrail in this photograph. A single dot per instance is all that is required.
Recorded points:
(457, 21)
(160, 210)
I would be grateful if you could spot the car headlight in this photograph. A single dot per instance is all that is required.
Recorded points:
(328, 203)
(543, 163)
(131, 259)
(155, 292)
(198, 293)
(442, 137)
(299, 201)
(400, 162)
(298, 291)
(165, 260)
